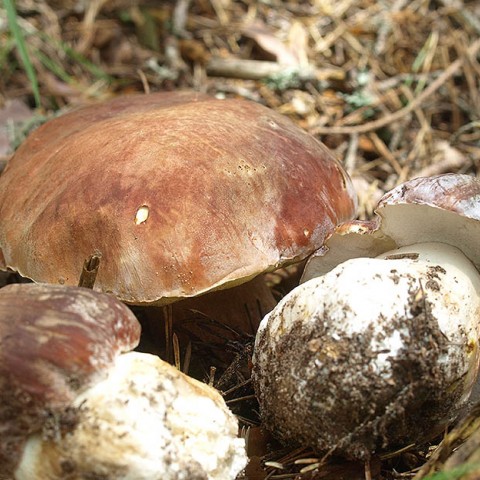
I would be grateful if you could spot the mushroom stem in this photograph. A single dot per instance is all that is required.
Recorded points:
(218, 316)
(241, 307)
(377, 353)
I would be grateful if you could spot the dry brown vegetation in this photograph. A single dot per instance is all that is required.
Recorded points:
(392, 86)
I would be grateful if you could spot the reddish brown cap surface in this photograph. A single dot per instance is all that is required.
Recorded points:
(452, 192)
(53, 341)
(179, 192)
(442, 208)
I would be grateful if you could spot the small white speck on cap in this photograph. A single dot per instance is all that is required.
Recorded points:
(142, 214)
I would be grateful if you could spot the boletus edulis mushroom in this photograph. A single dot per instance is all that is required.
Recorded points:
(379, 353)
(181, 194)
(76, 403)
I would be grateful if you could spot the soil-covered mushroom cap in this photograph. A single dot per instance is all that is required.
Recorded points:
(54, 342)
(179, 192)
(376, 354)
(144, 421)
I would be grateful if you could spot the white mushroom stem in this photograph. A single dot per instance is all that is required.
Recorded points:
(144, 421)
(375, 354)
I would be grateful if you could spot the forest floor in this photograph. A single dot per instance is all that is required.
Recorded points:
(391, 86)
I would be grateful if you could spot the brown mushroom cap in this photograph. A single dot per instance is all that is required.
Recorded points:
(179, 192)
(54, 341)
(442, 208)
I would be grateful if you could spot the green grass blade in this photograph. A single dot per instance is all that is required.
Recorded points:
(86, 64)
(454, 474)
(53, 67)
(22, 48)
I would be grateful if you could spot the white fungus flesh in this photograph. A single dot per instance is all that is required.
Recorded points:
(144, 421)
(376, 354)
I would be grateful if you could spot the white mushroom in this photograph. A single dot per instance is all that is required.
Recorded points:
(144, 421)
(379, 352)
(76, 404)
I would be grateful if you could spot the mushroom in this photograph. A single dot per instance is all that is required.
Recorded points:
(76, 403)
(378, 353)
(181, 194)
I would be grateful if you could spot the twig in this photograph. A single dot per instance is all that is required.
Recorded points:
(382, 122)
(90, 270)
(220, 11)
(179, 18)
(351, 155)
(258, 70)
(240, 399)
(383, 150)
(168, 317)
(386, 26)
(187, 358)
(211, 376)
(176, 352)
(236, 387)
(143, 78)
(88, 25)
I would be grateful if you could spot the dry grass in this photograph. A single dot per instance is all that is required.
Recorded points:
(392, 86)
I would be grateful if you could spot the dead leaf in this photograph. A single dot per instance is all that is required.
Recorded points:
(298, 42)
(268, 42)
(194, 51)
(446, 159)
